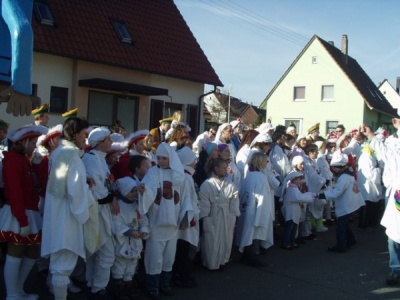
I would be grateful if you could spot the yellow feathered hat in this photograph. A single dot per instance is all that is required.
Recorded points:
(167, 120)
(70, 113)
(41, 110)
(313, 128)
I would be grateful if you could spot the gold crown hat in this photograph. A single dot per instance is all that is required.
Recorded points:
(44, 109)
(167, 120)
(313, 128)
(70, 113)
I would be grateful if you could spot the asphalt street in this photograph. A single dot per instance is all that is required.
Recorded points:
(309, 272)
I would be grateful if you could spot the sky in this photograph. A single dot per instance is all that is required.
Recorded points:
(251, 43)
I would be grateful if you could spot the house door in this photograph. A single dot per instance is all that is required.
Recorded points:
(192, 119)
(156, 113)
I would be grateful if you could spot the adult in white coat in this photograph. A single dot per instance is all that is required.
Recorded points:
(369, 180)
(99, 264)
(390, 154)
(67, 204)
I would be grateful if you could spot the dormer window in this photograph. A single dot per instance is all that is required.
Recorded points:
(43, 13)
(122, 31)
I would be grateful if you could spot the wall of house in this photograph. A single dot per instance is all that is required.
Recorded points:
(249, 116)
(346, 108)
(376, 119)
(180, 91)
(218, 113)
(391, 95)
(50, 70)
(87, 70)
(46, 73)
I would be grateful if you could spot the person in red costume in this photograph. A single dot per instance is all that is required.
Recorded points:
(20, 220)
(135, 145)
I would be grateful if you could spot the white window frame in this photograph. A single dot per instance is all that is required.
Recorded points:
(331, 95)
(329, 127)
(299, 127)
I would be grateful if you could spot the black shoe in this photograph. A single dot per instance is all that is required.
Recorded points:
(100, 295)
(167, 291)
(393, 279)
(287, 247)
(350, 244)
(153, 295)
(263, 251)
(255, 262)
(311, 237)
(187, 283)
(336, 249)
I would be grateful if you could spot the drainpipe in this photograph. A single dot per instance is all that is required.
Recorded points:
(201, 107)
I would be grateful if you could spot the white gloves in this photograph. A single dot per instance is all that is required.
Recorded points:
(18, 104)
(25, 231)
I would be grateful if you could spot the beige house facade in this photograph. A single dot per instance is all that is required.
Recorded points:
(324, 84)
(81, 62)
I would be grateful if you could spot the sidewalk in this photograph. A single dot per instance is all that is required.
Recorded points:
(310, 272)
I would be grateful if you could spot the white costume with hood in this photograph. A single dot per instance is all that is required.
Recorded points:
(165, 214)
(219, 138)
(256, 212)
(219, 207)
(127, 248)
(280, 163)
(315, 182)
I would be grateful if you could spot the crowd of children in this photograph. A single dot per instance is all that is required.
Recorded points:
(113, 204)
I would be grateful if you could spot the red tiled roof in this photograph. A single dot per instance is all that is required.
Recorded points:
(163, 43)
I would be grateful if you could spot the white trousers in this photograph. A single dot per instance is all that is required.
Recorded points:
(98, 266)
(62, 263)
(159, 255)
(124, 268)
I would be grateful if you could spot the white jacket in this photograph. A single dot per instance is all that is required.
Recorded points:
(346, 199)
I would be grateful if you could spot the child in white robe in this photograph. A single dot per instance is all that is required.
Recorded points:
(129, 228)
(347, 200)
(164, 198)
(293, 204)
(219, 207)
(255, 223)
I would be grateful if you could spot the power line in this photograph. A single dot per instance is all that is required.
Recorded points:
(257, 22)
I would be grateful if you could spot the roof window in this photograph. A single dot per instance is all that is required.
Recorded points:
(43, 13)
(122, 31)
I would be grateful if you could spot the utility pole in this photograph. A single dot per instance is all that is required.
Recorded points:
(229, 104)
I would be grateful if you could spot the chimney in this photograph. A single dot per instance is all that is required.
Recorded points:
(345, 44)
(398, 85)
(331, 43)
